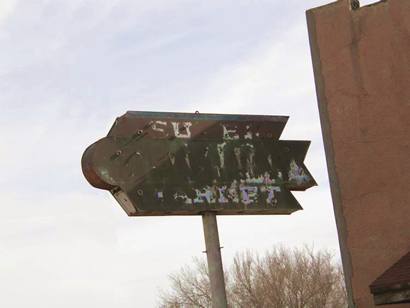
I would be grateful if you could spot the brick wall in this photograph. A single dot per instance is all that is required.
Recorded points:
(361, 61)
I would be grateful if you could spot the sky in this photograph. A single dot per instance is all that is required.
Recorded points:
(69, 68)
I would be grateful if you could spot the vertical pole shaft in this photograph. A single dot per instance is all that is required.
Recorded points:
(213, 254)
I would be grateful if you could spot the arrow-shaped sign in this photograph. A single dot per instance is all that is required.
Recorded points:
(185, 164)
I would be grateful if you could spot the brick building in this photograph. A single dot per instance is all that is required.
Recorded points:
(361, 61)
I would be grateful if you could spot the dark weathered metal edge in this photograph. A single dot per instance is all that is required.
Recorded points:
(207, 116)
(88, 169)
(222, 212)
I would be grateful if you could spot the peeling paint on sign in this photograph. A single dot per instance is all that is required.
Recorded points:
(184, 164)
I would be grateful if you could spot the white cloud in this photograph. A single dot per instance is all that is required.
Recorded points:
(272, 75)
(6, 9)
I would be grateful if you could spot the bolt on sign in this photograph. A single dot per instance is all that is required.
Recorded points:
(158, 163)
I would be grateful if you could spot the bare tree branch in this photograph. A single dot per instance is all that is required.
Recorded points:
(281, 278)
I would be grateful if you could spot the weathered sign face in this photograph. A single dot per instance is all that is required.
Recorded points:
(158, 163)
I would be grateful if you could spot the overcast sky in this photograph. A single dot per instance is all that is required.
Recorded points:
(69, 68)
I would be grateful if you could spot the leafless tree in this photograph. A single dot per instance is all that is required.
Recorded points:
(281, 278)
(190, 287)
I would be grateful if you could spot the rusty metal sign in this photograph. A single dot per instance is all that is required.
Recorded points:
(157, 163)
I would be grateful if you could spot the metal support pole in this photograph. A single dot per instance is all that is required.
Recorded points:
(213, 254)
